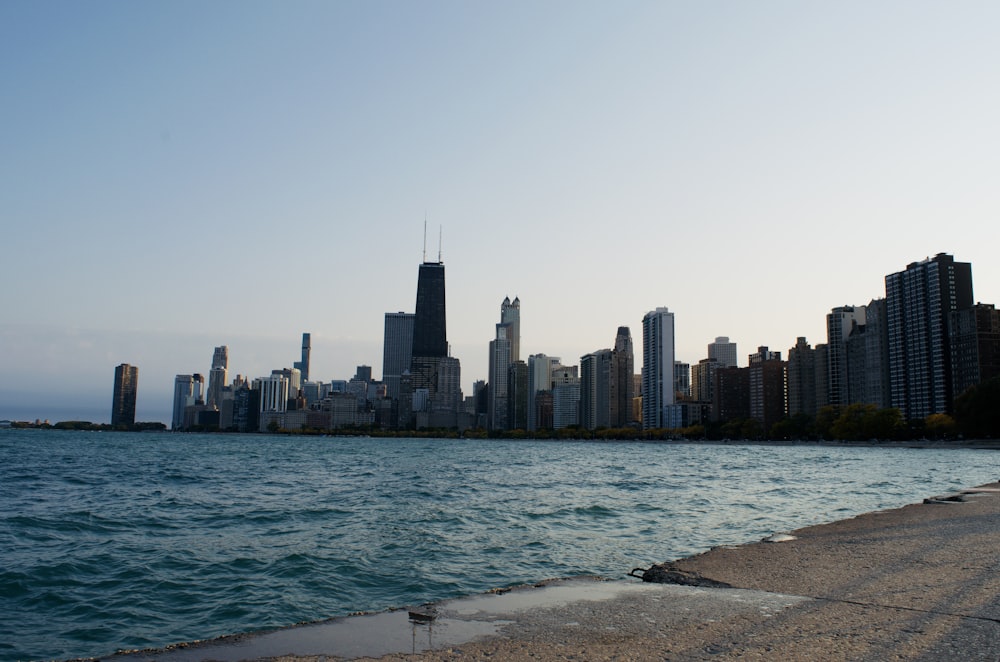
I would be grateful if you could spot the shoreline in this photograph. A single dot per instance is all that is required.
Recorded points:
(914, 582)
(957, 444)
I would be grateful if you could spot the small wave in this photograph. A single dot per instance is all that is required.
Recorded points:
(247, 533)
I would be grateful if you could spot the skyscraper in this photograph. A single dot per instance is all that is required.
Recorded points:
(802, 379)
(657, 368)
(622, 379)
(517, 396)
(565, 396)
(303, 365)
(840, 322)
(218, 375)
(499, 366)
(723, 351)
(703, 380)
(397, 350)
(448, 397)
(918, 303)
(876, 355)
(768, 387)
(595, 389)
(510, 314)
(430, 339)
(503, 352)
(682, 379)
(975, 346)
(430, 335)
(540, 369)
(189, 390)
(431, 368)
(123, 405)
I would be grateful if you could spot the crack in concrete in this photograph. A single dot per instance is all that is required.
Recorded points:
(901, 608)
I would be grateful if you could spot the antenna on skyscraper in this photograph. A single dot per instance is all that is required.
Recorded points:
(425, 236)
(439, 244)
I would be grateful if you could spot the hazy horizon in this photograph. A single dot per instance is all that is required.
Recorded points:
(181, 175)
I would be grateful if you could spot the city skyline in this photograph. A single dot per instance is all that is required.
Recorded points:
(752, 167)
(664, 375)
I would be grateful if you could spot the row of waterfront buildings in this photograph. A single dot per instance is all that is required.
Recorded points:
(915, 349)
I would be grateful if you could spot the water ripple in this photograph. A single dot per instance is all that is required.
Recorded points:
(116, 541)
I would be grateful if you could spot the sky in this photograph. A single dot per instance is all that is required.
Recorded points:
(177, 175)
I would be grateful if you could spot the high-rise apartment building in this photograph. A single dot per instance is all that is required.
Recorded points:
(303, 365)
(189, 391)
(840, 323)
(294, 378)
(657, 368)
(919, 302)
(565, 396)
(975, 346)
(768, 387)
(703, 380)
(822, 380)
(397, 350)
(517, 396)
(499, 365)
(682, 379)
(876, 355)
(126, 386)
(622, 379)
(447, 401)
(731, 394)
(218, 375)
(274, 391)
(540, 369)
(802, 379)
(246, 409)
(857, 348)
(724, 352)
(595, 389)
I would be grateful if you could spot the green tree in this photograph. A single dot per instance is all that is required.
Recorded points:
(850, 425)
(977, 411)
(825, 419)
(940, 426)
(752, 429)
(732, 429)
(796, 428)
(884, 424)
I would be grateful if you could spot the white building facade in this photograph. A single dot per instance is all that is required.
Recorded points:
(657, 368)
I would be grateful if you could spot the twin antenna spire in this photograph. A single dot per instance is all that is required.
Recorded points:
(425, 240)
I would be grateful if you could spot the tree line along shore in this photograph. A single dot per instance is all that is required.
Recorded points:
(976, 418)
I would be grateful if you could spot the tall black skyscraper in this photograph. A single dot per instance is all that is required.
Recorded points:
(430, 337)
(126, 383)
(431, 369)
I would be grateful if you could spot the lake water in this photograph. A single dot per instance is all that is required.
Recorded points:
(117, 541)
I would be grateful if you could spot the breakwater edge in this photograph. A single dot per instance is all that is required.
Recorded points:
(118, 541)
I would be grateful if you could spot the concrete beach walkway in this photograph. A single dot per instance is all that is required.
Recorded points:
(920, 582)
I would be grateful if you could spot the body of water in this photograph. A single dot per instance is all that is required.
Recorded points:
(117, 541)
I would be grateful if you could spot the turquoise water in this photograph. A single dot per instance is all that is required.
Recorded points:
(115, 541)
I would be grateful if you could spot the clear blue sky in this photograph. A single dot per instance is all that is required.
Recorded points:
(179, 175)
